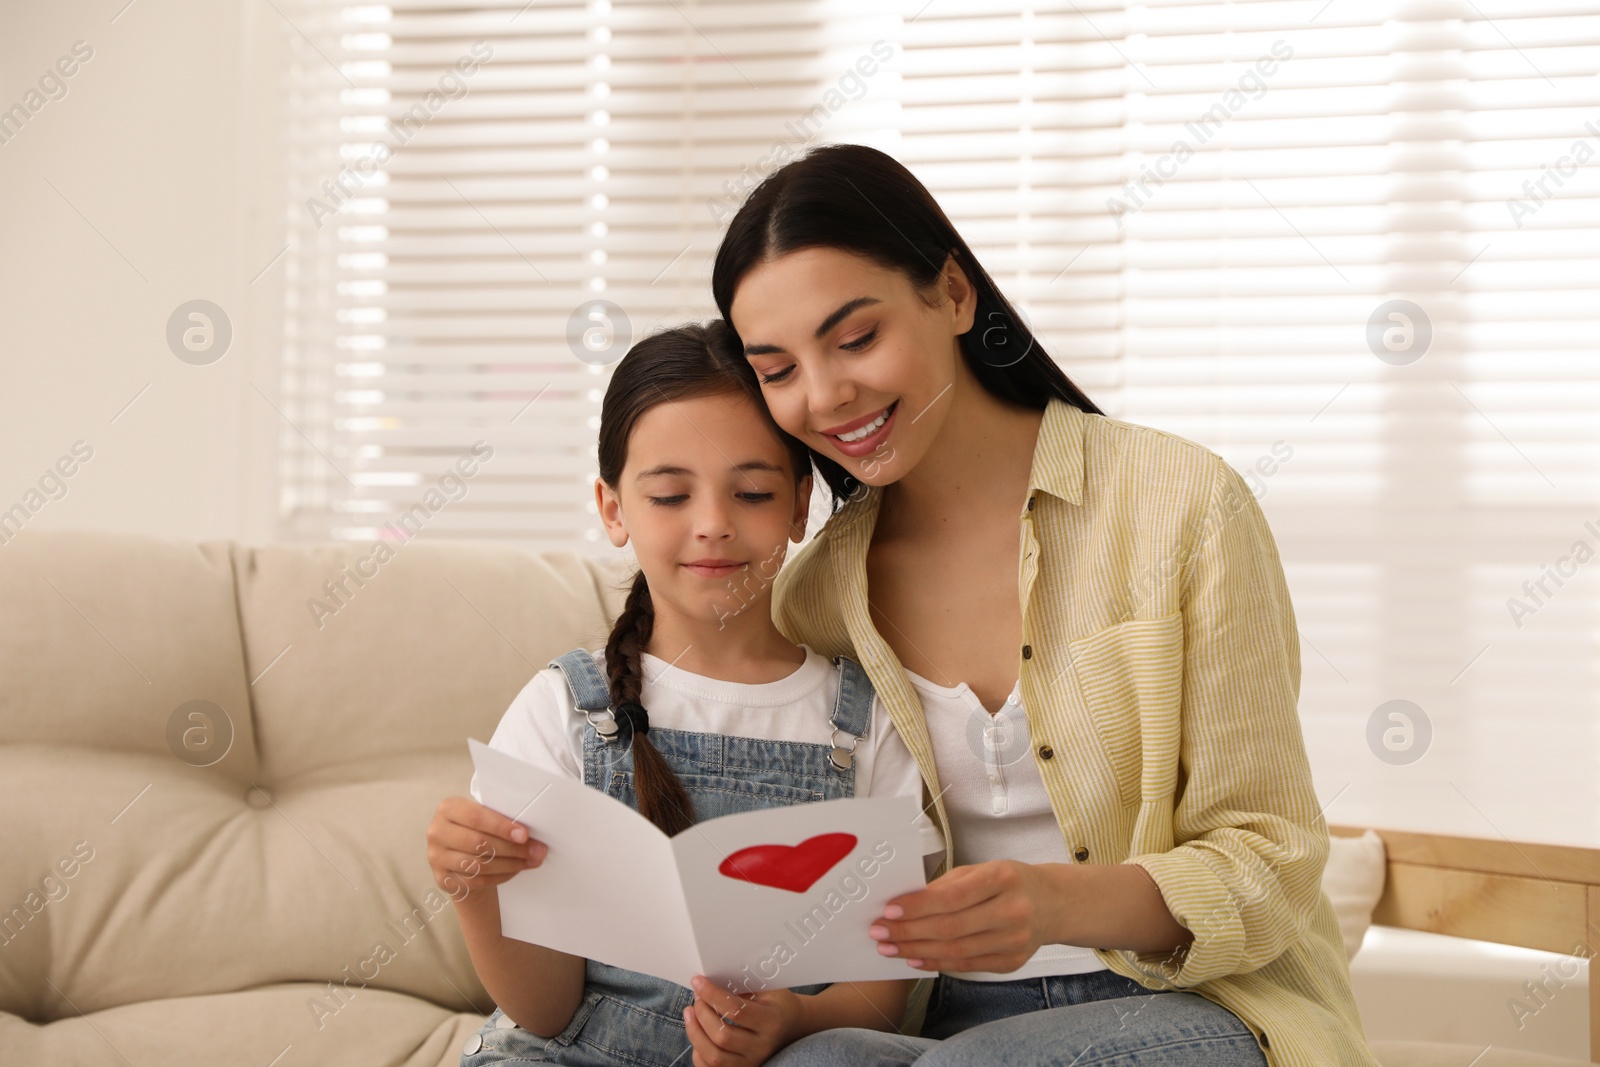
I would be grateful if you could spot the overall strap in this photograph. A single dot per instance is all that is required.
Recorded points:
(852, 712)
(590, 693)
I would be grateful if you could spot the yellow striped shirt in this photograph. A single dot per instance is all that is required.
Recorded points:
(1160, 686)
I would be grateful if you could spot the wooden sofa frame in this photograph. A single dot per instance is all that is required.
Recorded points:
(1514, 893)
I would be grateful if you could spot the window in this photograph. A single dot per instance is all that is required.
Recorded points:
(1350, 246)
(489, 204)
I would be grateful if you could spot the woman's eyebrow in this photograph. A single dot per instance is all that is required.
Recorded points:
(833, 319)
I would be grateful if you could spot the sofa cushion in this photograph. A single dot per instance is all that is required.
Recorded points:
(301, 857)
(105, 640)
(270, 1026)
(1353, 880)
(1430, 1054)
(401, 658)
(105, 636)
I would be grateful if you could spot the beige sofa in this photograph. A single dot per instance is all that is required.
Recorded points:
(217, 764)
(274, 906)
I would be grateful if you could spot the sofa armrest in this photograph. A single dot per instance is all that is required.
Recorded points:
(1513, 893)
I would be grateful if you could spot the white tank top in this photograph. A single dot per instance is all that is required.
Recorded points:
(996, 802)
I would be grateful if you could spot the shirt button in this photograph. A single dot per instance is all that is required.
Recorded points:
(1046, 752)
(1027, 651)
(1030, 503)
(1081, 853)
(473, 1046)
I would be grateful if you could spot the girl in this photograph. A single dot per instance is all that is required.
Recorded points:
(1138, 861)
(697, 707)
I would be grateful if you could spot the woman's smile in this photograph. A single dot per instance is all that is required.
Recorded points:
(865, 435)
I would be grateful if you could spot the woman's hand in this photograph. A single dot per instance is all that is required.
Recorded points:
(474, 847)
(735, 1030)
(984, 917)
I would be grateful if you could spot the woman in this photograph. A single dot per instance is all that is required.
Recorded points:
(1137, 865)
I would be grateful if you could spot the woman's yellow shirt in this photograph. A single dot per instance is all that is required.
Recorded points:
(1160, 671)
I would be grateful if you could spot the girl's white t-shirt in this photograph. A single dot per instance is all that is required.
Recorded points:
(543, 727)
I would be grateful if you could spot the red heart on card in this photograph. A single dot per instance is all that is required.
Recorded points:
(792, 867)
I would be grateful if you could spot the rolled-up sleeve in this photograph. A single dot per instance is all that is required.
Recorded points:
(1249, 838)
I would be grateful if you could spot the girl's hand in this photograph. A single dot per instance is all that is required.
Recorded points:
(982, 917)
(734, 1030)
(474, 847)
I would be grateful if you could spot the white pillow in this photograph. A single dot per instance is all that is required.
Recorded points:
(1353, 880)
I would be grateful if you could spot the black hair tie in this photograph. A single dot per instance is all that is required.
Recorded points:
(633, 714)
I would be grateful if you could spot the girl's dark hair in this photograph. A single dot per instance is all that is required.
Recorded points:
(860, 200)
(680, 364)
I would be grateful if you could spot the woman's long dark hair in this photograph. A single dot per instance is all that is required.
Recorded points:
(679, 364)
(860, 200)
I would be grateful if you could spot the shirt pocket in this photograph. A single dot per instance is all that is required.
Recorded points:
(1131, 678)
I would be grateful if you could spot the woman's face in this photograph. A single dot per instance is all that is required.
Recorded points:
(853, 360)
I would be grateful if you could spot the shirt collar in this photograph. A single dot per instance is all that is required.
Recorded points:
(1058, 455)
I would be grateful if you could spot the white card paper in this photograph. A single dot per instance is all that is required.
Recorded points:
(760, 900)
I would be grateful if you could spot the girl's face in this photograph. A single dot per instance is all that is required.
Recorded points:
(853, 360)
(709, 500)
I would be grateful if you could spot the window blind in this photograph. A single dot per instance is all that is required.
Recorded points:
(489, 203)
(1349, 246)
(1353, 248)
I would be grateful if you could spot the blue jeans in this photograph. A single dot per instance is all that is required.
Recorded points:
(1073, 1020)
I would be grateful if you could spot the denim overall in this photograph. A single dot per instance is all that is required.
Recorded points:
(631, 1018)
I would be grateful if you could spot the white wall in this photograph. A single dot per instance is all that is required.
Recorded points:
(146, 185)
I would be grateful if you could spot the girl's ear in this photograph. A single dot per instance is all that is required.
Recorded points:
(802, 510)
(605, 499)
